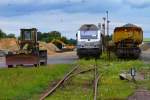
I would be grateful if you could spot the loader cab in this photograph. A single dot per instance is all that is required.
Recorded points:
(29, 34)
(28, 37)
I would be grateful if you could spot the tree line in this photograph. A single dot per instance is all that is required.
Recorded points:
(54, 35)
(4, 35)
(45, 37)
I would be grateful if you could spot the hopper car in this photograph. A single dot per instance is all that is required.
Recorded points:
(127, 39)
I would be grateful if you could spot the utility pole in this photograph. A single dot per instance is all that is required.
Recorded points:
(103, 34)
(107, 38)
(104, 25)
(99, 26)
(107, 24)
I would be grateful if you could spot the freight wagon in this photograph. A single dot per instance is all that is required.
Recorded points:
(127, 39)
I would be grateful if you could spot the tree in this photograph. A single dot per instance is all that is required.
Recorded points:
(55, 34)
(48, 37)
(11, 35)
(72, 41)
(64, 39)
(39, 36)
(2, 34)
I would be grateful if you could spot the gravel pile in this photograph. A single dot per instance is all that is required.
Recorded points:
(10, 44)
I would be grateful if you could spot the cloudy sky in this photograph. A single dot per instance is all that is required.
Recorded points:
(67, 16)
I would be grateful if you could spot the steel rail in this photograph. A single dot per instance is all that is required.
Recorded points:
(96, 87)
(58, 84)
(81, 72)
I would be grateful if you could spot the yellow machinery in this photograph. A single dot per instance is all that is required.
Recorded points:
(29, 52)
(58, 43)
(61, 45)
(127, 40)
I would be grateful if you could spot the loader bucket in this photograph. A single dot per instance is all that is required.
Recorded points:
(22, 59)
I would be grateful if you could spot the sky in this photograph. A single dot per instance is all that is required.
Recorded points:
(66, 16)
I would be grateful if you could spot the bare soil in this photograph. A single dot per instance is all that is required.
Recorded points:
(8, 44)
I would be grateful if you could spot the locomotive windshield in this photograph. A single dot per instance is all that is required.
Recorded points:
(89, 34)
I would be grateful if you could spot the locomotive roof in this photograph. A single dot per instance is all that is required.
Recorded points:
(87, 27)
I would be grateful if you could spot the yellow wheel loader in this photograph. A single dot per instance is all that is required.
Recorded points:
(29, 52)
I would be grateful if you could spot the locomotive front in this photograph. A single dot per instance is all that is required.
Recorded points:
(89, 41)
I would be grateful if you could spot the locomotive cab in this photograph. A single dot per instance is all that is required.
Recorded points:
(88, 41)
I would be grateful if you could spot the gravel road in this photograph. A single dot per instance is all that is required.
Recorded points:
(63, 58)
(58, 58)
(71, 57)
(145, 56)
(2, 62)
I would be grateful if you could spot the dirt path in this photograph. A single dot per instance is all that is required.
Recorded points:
(140, 94)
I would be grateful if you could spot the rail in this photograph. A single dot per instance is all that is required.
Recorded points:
(71, 74)
(58, 84)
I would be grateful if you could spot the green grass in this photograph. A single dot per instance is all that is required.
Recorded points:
(110, 85)
(28, 83)
(79, 88)
(146, 39)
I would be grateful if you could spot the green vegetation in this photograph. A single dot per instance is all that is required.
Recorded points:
(45, 37)
(50, 36)
(4, 35)
(28, 83)
(10, 35)
(110, 85)
(146, 39)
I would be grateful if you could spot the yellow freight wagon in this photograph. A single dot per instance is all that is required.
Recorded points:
(127, 39)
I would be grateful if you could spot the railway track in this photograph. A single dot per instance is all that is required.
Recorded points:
(59, 83)
(72, 74)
